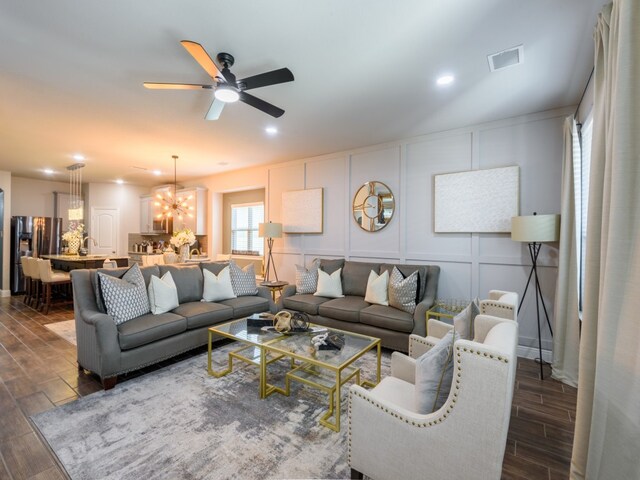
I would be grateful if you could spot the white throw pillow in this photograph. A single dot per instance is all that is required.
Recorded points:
(378, 288)
(217, 287)
(463, 321)
(329, 286)
(163, 294)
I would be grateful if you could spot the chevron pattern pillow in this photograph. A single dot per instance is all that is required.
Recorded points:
(124, 298)
(243, 280)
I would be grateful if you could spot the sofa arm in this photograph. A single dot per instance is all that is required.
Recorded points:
(287, 291)
(106, 340)
(420, 316)
(403, 367)
(264, 292)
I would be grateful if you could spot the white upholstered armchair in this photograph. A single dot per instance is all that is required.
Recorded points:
(465, 438)
(501, 304)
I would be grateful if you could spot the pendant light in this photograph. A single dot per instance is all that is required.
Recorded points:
(76, 204)
(171, 204)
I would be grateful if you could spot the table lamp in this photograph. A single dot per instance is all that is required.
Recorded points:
(534, 230)
(270, 231)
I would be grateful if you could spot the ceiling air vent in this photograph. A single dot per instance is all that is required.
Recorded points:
(506, 58)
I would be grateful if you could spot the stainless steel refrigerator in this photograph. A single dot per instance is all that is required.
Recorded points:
(32, 236)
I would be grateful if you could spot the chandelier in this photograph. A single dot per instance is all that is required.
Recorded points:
(170, 203)
(76, 204)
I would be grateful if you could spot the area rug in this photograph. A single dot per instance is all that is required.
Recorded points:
(178, 422)
(66, 330)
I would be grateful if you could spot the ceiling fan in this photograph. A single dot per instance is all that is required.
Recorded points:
(226, 88)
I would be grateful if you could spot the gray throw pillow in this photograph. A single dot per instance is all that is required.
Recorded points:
(243, 280)
(463, 321)
(434, 374)
(402, 291)
(307, 279)
(124, 298)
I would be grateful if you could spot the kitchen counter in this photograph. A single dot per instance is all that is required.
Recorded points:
(72, 262)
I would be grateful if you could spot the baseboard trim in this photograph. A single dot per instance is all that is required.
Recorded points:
(5, 293)
(533, 353)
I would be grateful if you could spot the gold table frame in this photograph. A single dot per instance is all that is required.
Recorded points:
(311, 371)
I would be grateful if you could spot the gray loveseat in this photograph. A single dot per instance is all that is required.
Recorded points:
(110, 350)
(353, 314)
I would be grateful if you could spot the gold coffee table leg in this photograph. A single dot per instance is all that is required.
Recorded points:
(210, 370)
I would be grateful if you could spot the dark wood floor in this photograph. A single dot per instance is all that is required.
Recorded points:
(38, 371)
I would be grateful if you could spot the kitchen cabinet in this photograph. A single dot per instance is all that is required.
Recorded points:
(149, 223)
(197, 223)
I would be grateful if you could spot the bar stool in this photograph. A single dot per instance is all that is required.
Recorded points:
(26, 272)
(49, 278)
(32, 268)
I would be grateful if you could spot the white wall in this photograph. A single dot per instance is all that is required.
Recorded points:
(471, 264)
(34, 198)
(126, 198)
(5, 186)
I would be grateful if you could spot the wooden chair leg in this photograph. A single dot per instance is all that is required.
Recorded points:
(46, 297)
(27, 291)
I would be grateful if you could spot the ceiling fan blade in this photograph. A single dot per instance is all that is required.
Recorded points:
(274, 77)
(215, 110)
(176, 86)
(201, 56)
(261, 105)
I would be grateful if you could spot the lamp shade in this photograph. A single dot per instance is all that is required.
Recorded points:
(270, 230)
(535, 228)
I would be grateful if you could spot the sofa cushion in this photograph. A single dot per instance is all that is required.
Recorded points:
(330, 266)
(202, 314)
(347, 308)
(388, 318)
(124, 298)
(407, 270)
(355, 276)
(188, 279)
(245, 306)
(149, 328)
(147, 273)
(306, 303)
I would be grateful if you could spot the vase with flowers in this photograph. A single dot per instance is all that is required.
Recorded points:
(182, 240)
(74, 237)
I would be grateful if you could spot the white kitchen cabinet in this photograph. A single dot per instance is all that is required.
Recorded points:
(198, 221)
(146, 214)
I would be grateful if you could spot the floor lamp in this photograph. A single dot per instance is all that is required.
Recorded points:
(270, 231)
(533, 230)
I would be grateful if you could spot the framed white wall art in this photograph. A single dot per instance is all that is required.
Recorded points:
(480, 201)
(302, 211)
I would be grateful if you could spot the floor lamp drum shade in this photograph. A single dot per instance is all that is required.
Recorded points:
(535, 228)
(270, 230)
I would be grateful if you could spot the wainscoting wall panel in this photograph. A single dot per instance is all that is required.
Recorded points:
(471, 264)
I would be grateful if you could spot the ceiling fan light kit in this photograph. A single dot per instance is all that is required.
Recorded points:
(226, 88)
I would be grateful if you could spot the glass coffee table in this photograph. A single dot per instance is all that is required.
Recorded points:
(327, 370)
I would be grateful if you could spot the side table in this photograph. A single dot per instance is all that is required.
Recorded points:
(275, 287)
(446, 315)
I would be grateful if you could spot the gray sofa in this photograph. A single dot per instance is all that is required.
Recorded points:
(110, 350)
(353, 314)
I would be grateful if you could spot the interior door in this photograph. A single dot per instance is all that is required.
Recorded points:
(104, 230)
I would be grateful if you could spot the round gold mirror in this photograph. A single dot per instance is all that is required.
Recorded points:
(373, 206)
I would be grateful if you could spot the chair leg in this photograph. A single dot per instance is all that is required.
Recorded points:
(356, 475)
(46, 297)
(27, 291)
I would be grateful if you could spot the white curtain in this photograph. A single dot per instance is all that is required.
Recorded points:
(607, 435)
(566, 337)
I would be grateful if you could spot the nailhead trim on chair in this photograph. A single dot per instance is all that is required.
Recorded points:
(422, 341)
(499, 305)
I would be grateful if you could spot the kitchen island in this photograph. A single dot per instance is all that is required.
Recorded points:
(67, 263)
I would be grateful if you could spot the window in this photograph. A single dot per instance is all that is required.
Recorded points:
(245, 219)
(582, 151)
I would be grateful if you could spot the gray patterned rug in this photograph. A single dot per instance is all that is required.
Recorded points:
(178, 422)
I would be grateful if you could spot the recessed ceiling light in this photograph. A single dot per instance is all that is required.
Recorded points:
(48, 171)
(445, 80)
(271, 130)
(157, 172)
(79, 157)
(119, 181)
